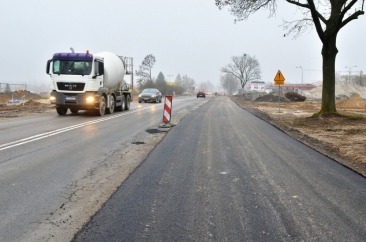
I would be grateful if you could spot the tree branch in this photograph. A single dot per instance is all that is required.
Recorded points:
(303, 5)
(231, 72)
(315, 15)
(352, 17)
(308, 6)
(348, 7)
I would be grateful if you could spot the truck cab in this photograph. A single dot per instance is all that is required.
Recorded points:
(80, 82)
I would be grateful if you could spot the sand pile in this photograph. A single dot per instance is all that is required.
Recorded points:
(5, 97)
(355, 102)
(341, 89)
(32, 103)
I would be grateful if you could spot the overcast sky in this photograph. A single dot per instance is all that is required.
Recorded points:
(191, 37)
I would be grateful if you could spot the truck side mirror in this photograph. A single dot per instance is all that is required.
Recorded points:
(48, 67)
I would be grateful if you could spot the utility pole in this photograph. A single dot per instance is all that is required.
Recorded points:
(302, 74)
(169, 77)
(349, 72)
(302, 77)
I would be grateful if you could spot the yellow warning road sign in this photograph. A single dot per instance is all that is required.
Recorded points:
(279, 78)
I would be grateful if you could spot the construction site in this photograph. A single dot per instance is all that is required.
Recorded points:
(342, 137)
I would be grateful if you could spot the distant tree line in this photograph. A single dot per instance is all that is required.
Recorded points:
(5, 87)
(146, 80)
(358, 79)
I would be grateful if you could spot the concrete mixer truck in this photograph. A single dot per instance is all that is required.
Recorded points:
(84, 81)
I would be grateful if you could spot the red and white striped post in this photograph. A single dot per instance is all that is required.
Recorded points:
(167, 109)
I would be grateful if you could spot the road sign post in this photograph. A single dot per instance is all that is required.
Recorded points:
(279, 80)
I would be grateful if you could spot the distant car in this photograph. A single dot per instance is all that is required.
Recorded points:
(201, 94)
(150, 95)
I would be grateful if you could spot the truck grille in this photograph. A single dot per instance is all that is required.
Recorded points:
(70, 86)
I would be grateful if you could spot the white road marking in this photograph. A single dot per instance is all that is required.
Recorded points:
(62, 130)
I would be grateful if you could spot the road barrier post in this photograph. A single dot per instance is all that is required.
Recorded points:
(167, 109)
(167, 114)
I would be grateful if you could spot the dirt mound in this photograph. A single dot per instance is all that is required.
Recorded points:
(295, 97)
(271, 98)
(18, 95)
(355, 102)
(32, 103)
(341, 89)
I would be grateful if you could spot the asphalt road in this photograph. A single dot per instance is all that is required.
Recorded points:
(45, 159)
(222, 174)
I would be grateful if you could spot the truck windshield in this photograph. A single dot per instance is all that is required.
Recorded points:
(71, 67)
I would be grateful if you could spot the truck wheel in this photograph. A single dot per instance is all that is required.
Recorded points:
(61, 110)
(127, 102)
(120, 108)
(101, 109)
(74, 110)
(112, 105)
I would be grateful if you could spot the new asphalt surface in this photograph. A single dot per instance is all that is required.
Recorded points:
(223, 174)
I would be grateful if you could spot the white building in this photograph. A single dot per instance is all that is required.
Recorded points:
(258, 86)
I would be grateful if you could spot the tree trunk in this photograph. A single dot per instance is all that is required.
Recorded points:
(329, 53)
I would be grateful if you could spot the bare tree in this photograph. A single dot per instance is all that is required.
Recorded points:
(360, 79)
(7, 88)
(229, 83)
(144, 71)
(328, 17)
(188, 83)
(179, 80)
(206, 86)
(243, 68)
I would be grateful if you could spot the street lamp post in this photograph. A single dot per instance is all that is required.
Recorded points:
(349, 72)
(302, 77)
(302, 74)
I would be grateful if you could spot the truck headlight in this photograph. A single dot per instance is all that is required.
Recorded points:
(52, 99)
(90, 99)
